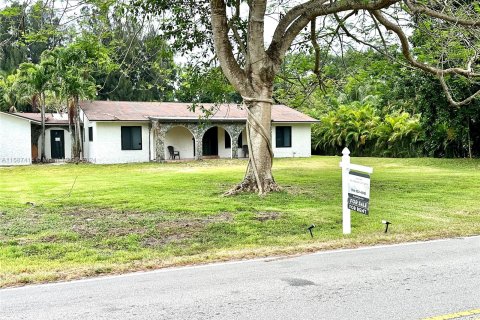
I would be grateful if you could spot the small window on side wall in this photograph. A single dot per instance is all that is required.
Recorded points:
(283, 137)
(90, 133)
(131, 138)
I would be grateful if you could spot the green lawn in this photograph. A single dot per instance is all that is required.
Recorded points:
(141, 216)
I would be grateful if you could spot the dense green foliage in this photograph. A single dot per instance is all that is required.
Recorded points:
(364, 132)
(379, 107)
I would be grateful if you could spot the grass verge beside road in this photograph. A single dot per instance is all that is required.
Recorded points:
(61, 222)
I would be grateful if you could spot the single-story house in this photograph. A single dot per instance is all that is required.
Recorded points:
(121, 132)
(20, 137)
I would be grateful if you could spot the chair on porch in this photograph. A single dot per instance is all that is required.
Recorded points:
(245, 151)
(173, 153)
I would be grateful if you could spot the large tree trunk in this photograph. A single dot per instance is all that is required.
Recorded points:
(258, 177)
(254, 81)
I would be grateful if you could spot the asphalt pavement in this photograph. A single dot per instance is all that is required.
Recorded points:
(436, 279)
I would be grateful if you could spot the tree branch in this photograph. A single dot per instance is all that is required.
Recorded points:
(223, 47)
(233, 27)
(449, 95)
(299, 17)
(406, 50)
(435, 14)
(316, 47)
(341, 24)
(440, 73)
(255, 37)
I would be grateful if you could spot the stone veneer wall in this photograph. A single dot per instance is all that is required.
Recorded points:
(160, 129)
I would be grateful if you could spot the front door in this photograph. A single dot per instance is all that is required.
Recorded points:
(57, 141)
(210, 142)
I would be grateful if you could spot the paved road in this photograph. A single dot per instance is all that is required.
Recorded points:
(412, 281)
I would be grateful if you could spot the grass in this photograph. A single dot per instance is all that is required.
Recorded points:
(61, 222)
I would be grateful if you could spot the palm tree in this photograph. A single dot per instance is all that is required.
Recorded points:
(72, 75)
(37, 78)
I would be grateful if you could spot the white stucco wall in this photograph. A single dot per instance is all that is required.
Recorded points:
(153, 156)
(222, 151)
(87, 145)
(15, 141)
(107, 143)
(301, 141)
(48, 143)
(180, 138)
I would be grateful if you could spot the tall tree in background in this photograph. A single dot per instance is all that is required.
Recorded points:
(9, 92)
(146, 70)
(251, 66)
(26, 30)
(205, 84)
(73, 79)
(36, 78)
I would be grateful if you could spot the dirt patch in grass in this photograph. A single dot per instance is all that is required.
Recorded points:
(296, 190)
(152, 229)
(265, 216)
(474, 212)
(181, 229)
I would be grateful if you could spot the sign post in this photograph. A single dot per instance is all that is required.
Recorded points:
(355, 189)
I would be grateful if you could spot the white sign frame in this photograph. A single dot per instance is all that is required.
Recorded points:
(346, 167)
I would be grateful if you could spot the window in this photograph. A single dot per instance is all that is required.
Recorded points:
(90, 133)
(131, 138)
(228, 141)
(283, 137)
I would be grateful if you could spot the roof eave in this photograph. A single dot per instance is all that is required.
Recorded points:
(117, 120)
(185, 119)
(302, 121)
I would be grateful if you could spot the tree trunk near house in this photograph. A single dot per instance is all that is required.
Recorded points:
(254, 81)
(258, 176)
(70, 122)
(42, 146)
(78, 132)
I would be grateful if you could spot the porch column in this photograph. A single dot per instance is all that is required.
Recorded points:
(234, 130)
(199, 145)
(234, 148)
(159, 134)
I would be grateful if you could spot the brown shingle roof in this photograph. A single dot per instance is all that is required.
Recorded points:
(142, 111)
(50, 118)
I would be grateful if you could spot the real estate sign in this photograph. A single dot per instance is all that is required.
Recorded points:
(358, 191)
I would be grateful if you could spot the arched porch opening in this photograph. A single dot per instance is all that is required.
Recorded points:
(217, 143)
(182, 140)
